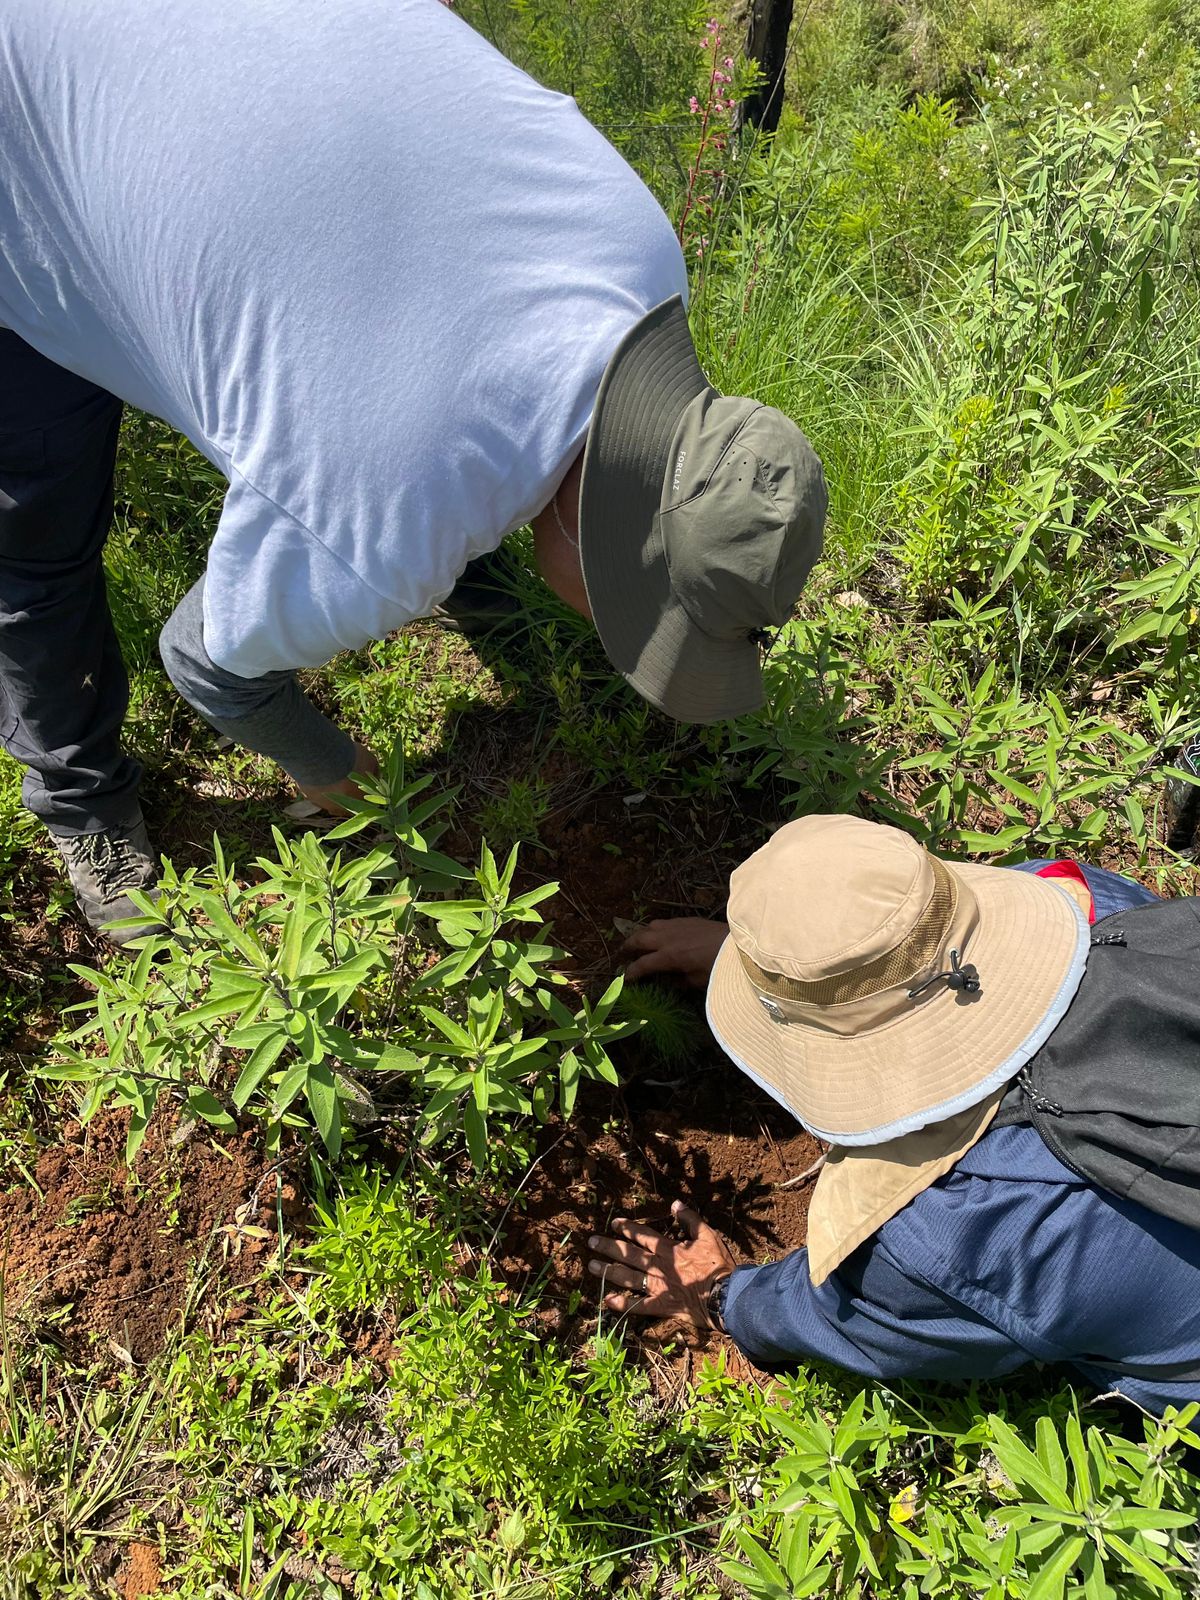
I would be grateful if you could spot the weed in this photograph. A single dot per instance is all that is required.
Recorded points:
(516, 815)
(967, 266)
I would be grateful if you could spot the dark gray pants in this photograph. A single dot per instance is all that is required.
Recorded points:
(63, 686)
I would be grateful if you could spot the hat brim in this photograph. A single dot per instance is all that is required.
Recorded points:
(949, 1052)
(646, 633)
(862, 1187)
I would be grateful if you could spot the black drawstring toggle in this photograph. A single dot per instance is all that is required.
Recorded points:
(965, 979)
(762, 637)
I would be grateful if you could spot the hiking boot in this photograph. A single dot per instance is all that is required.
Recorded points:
(102, 868)
(1183, 803)
(481, 600)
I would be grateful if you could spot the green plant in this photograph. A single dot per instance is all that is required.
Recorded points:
(277, 999)
(1078, 321)
(630, 67)
(369, 1244)
(671, 1029)
(874, 1505)
(73, 1462)
(516, 814)
(409, 689)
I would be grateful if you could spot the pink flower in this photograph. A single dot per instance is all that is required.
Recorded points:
(694, 106)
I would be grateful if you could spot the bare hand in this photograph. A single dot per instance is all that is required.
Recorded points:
(687, 945)
(365, 765)
(666, 1277)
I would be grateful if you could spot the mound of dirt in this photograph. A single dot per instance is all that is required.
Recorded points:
(106, 1254)
(702, 1133)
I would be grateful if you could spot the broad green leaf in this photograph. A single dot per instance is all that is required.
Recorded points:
(1148, 1517)
(228, 1005)
(289, 1086)
(321, 1092)
(1049, 1451)
(139, 1122)
(203, 1103)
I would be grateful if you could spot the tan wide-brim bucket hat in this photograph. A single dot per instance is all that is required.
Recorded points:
(887, 998)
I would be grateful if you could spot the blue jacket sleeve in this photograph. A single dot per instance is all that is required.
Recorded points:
(871, 1317)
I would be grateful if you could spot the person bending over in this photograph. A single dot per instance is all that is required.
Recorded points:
(1005, 1067)
(406, 300)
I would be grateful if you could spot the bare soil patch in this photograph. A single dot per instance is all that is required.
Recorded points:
(103, 1254)
(698, 1131)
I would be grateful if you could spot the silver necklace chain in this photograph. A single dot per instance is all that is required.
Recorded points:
(562, 527)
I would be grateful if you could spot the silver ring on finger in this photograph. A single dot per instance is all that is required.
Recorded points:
(645, 1283)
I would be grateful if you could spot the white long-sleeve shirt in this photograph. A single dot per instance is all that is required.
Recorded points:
(370, 268)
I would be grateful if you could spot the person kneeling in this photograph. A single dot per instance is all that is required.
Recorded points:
(1010, 1096)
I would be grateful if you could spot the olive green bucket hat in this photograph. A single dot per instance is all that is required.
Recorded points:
(700, 517)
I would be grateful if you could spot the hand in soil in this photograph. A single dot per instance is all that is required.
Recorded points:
(687, 945)
(667, 1277)
(365, 765)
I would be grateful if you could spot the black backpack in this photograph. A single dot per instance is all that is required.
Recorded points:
(1115, 1091)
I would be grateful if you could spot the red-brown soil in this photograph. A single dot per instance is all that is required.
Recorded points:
(698, 1131)
(143, 1572)
(722, 1147)
(108, 1256)
(111, 1256)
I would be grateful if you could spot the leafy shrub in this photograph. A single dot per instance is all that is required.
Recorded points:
(867, 1503)
(1078, 323)
(370, 1245)
(279, 999)
(481, 1460)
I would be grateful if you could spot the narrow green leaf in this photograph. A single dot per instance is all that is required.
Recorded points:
(294, 927)
(1051, 1576)
(320, 1090)
(475, 1128)
(256, 1067)
(569, 1072)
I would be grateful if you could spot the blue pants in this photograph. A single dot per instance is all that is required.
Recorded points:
(63, 686)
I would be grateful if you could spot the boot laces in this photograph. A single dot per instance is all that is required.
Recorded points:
(113, 859)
